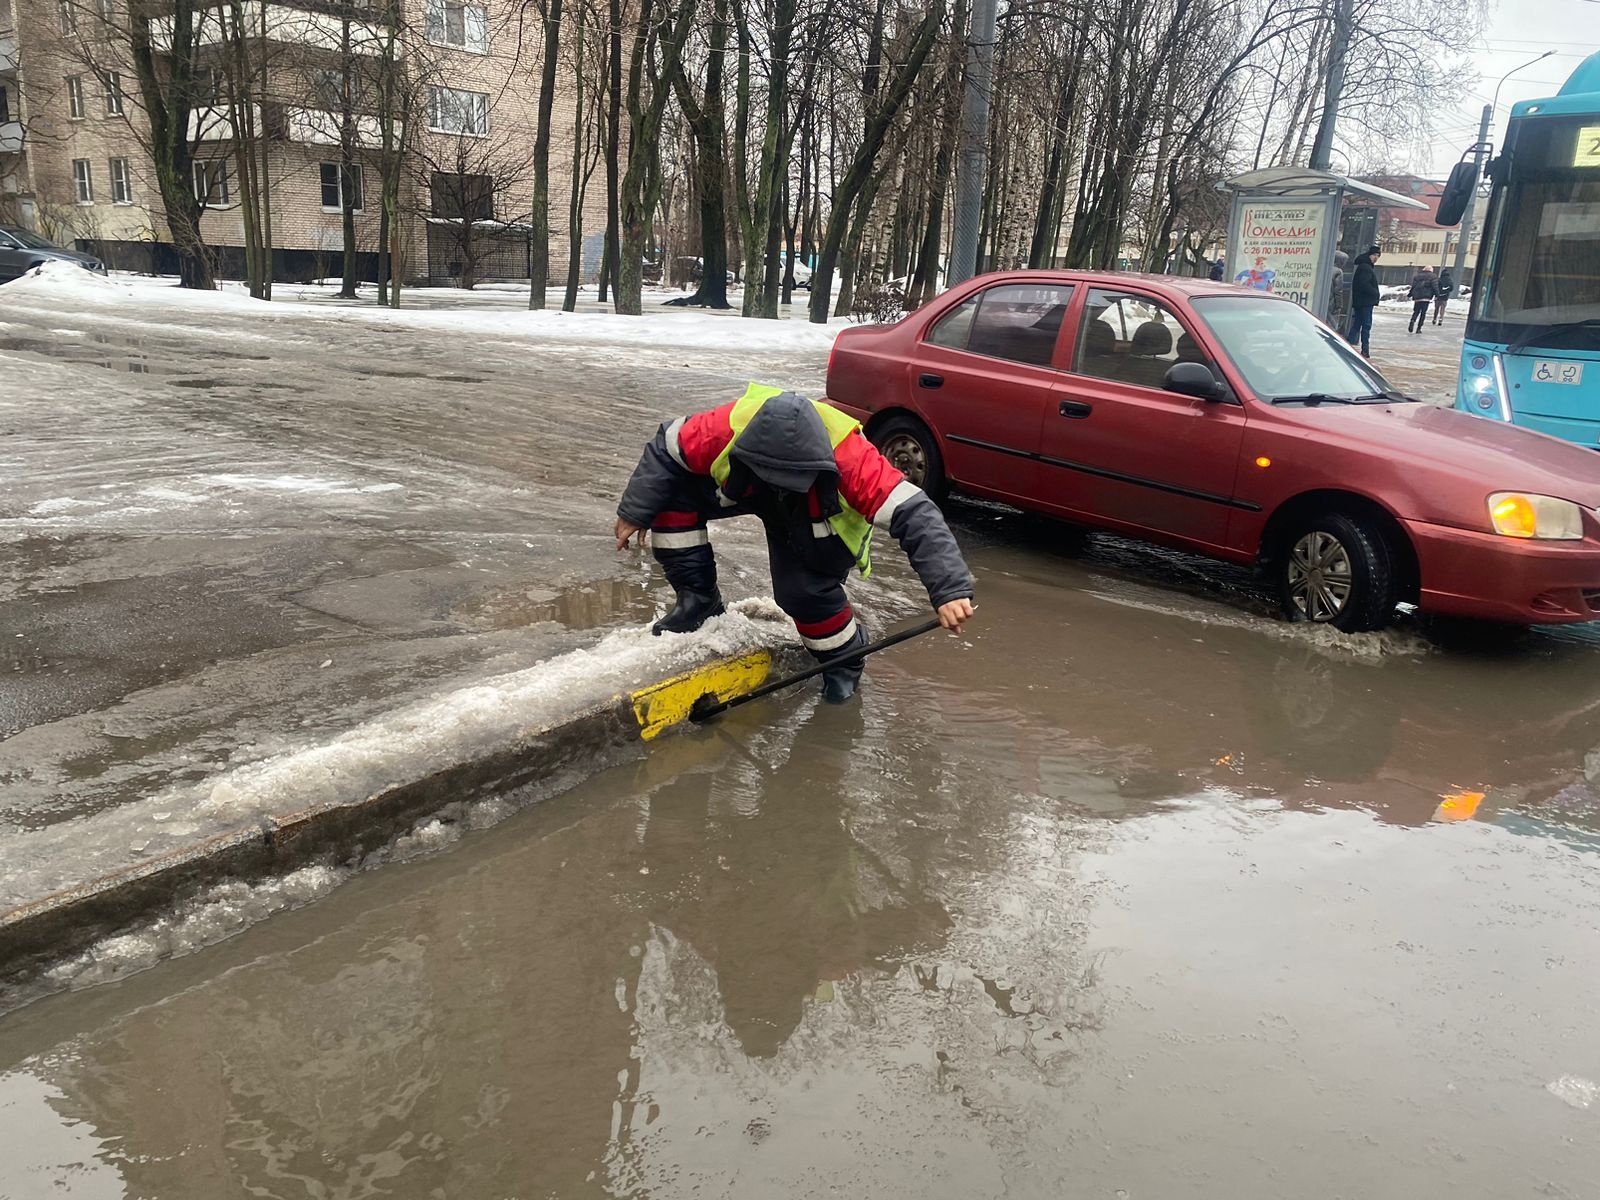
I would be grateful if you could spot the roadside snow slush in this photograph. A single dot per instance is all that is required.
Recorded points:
(1133, 889)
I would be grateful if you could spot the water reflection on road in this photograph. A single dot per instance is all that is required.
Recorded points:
(1102, 901)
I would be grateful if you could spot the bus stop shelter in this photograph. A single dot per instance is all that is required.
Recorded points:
(1283, 230)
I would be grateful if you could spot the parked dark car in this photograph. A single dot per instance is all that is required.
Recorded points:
(22, 250)
(1233, 423)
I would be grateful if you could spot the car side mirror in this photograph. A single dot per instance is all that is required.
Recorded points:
(1193, 379)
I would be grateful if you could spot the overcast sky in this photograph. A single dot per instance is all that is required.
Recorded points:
(1511, 36)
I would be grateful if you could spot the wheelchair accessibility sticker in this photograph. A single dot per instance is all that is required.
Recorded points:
(1557, 372)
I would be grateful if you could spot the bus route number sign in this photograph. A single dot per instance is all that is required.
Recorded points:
(1587, 152)
(1558, 372)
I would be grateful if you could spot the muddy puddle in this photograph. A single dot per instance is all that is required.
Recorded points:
(1104, 900)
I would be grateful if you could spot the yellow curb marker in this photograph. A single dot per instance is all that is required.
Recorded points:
(1458, 806)
(663, 705)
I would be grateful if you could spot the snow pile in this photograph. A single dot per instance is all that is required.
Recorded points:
(54, 277)
(399, 747)
(667, 328)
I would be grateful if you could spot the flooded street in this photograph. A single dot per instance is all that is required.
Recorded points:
(1133, 892)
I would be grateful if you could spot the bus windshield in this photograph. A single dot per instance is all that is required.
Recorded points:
(1541, 280)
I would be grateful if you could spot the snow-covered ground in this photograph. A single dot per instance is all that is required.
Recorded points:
(490, 315)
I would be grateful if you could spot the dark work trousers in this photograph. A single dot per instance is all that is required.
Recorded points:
(808, 572)
(1419, 314)
(1361, 328)
(1439, 303)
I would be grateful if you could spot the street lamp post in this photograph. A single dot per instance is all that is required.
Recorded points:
(1479, 152)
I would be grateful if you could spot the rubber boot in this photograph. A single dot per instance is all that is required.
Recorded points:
(692, 610)
(839, 683)
(693, 576)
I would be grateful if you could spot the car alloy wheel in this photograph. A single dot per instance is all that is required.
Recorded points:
(1321, 576)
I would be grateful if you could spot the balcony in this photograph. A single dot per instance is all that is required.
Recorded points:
(8, 53)
(317, 127)
(11, 138)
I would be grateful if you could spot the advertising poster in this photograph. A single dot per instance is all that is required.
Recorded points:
(1278, 249)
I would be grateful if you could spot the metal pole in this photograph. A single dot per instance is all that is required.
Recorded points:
(1472, 197)
(973, 164)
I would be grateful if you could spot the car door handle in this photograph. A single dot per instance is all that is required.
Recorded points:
(1076, 409)
(929, 380)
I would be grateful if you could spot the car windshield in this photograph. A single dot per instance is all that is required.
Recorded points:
(1285, 354)
(31, 240)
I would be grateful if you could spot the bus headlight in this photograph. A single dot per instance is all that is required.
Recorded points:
(1520, 515)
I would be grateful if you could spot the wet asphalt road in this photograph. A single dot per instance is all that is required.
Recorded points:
(1130, 893)
(1134, 892)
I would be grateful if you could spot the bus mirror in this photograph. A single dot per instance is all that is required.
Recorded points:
(1457, 190)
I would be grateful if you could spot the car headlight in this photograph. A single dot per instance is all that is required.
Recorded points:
(1520, 515)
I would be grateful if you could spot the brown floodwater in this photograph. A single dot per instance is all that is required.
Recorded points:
(1134, 892)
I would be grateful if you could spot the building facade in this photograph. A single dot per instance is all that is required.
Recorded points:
(75, 163)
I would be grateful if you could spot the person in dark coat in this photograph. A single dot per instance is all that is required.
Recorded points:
(1215, 274)
(1363, 299)
(1424, 287)
(820, 488)
(1443, 287)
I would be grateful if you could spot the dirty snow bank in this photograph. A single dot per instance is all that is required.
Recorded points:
(407, 744)
(159, 301)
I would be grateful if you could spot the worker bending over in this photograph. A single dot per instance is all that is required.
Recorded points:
(819, 487)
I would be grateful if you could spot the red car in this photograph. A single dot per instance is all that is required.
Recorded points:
(1229, 422)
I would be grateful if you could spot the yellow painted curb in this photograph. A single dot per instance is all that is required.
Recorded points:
(663, 705)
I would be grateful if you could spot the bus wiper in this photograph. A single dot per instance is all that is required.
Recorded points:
(1312, 399)
(1539, 332)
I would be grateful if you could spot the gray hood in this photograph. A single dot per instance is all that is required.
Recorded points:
(786, 444)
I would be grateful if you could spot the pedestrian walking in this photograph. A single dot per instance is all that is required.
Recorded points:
(1363, 299)
(818, 486)
(1443, 288)
(1424, 287)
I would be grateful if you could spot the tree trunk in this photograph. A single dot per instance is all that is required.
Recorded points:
(580, 131)
(861, 167)
(539, 267)
(707, 121)
(608, 273)
(347, 158)
(167, 90)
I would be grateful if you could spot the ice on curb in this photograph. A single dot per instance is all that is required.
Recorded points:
(409, 743)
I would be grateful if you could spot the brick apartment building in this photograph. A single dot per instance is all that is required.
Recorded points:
(74, 167)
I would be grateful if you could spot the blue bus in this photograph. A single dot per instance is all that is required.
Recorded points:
(1532, 349)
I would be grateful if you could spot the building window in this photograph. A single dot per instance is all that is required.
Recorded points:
(453, 111)
(5, 106)
(108, 10)
(328, 85)
(69, 17)
(464, 26)
(75, 97)
(333, 195)
(208, 87)
(463, 197)
(84, 179)
(113, 95)
(121, 182)
(211, 183)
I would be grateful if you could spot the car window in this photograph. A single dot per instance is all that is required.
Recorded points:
(953, 328)
(1282, 350)
(1019, 322)
(31, 241)
(1132, 339)
(7, 242)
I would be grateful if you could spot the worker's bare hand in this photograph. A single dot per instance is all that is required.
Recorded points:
(625, 531)
(951, 615)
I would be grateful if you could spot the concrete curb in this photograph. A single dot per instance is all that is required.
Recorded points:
(36, 935)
